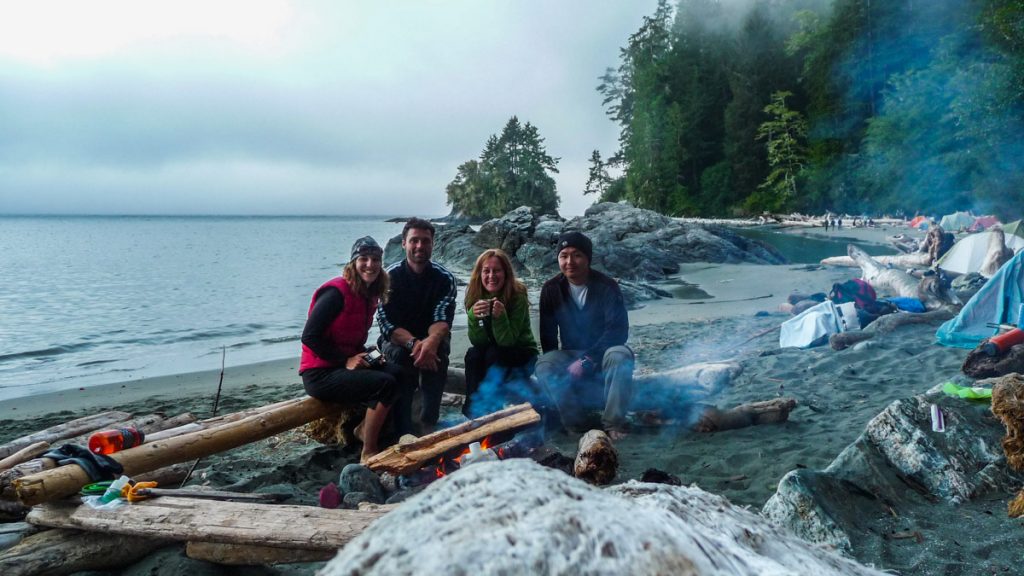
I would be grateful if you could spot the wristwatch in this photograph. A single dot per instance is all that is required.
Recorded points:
(410, 343)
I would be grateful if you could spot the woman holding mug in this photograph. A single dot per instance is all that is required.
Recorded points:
(336, 366)
(503, 350)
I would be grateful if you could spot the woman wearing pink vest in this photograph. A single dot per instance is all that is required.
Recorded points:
(336, 366)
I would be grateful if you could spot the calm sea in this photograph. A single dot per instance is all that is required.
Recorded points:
(100, 299)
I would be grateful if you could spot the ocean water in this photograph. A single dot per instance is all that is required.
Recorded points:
(99, 299)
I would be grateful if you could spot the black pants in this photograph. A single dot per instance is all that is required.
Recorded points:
(502, 373)
(366, 386)
(430, 382)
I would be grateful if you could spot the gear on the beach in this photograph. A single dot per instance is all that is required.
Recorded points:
(97, 466)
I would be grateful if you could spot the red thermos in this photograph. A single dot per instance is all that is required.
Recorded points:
(110, 441)
(1001, 343)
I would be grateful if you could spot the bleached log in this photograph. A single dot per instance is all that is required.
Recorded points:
(771, 411)
(66, 480)
(407, 457)
(56, 552)
(190, 519)
(148, 424)
(246, 555)
(915, 260)
(886, 324)
(996, 255)
(68, 429)
(691, 383)
(25, 454)
(882, 278)
(597, 460)
(216, 421)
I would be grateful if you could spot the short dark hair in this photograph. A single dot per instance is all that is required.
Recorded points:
(419, 224)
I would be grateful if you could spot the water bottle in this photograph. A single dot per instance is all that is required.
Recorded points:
(110, 441)
(114, 491)
(477, 454)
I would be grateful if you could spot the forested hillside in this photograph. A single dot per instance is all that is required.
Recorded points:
(850, 105)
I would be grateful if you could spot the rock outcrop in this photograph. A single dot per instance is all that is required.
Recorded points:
(517, 517)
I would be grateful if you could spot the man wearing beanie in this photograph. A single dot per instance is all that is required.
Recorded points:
(583, 310)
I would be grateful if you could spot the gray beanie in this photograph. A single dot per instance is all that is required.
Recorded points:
(366, 246)
(578, 241)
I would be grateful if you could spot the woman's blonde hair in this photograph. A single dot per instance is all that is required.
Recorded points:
(379, 288)
(475, 289)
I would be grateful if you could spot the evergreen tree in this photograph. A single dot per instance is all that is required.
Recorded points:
(784, 134)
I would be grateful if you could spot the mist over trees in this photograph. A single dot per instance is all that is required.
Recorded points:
(513, 170)
(853, 105)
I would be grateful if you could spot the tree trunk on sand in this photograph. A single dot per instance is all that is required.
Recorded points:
(410, 456)
(24, 455)
(190, 519)
(930, 290)
(886, 324)
(771, 411)
(55, 552)
(66, 480)
(244, 555)
(996, 255)
(216, 421)
(915, 260)
(597, 460)
(688, 384)
(68, 429)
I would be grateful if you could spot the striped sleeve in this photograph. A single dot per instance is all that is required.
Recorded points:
(444, 311)
(384, 322)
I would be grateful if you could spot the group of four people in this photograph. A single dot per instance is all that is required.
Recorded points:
(414, 304)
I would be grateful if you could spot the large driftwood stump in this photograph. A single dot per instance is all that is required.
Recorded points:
(597, 460)
(886, 324)
(68, 551)
(751, 414)
(1008, 406)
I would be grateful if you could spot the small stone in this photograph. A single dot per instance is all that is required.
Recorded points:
(359, 478)
(354, 499)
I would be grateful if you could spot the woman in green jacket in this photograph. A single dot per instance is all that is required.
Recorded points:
(503, 351)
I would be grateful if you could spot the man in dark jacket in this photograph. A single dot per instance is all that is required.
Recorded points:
(584, 309)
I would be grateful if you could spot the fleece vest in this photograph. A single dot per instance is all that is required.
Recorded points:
(348, 331)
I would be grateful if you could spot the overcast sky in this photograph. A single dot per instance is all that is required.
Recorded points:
(305, 107)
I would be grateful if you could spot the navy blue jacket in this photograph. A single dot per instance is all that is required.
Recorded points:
(601, 324)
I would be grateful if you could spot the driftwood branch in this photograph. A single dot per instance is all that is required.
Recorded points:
(68, 429)
(597, 460)
(189, 519)
(25, 454)
(915, 260)
(886, 324)
(751, 414)
(411, 456)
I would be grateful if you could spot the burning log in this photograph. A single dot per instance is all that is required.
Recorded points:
(597, 460)
(188, 519)
(70, 551)
(66, 480)
(750, 414)
(408, 457)
(68, 429)
(248, 555)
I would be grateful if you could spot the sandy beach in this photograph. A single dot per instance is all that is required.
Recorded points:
(837, 394)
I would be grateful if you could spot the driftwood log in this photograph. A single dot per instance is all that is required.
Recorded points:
(189, 519)
(24, 455)
(66, 480)
(886, 324)
(914, 260)
(930, 290)
(56, 552)
(771, 411)
(997, 253)
(68, 429)
(249, 555)
(406, 457)
(597, 460)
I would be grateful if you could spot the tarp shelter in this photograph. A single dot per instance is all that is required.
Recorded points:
(968, 253)
(1016, 228)
(996, 303)
(955, 221)
(983, 223)
(916, 221)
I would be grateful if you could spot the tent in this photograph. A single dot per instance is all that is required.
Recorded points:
(968, 253)
(983, 223)
(916, 221)
(955, 221)
(997, 302)
(1016, 228)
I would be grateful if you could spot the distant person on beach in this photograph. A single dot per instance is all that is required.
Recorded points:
(584, 309)
(335, 365)
(415, 325)
(503, 351)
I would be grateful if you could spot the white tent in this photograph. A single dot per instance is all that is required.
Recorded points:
(968, 253)
(956, 221)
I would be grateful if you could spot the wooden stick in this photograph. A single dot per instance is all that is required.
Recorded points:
(750, 414)
(407, 458)
(189, 519)
(69, 551)
(66, 480)
(25, 454)
(68, 429)
(249, 555)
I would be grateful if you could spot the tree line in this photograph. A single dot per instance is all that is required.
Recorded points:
(858, 106)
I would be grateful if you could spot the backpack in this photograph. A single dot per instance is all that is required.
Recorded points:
(855, 290)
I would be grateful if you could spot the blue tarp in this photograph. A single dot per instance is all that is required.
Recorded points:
(996, 303)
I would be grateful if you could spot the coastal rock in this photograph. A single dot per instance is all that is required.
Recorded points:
(508, 232)
(517, 517)
(359, 478)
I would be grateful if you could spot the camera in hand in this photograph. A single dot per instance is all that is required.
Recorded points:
(373, 357)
